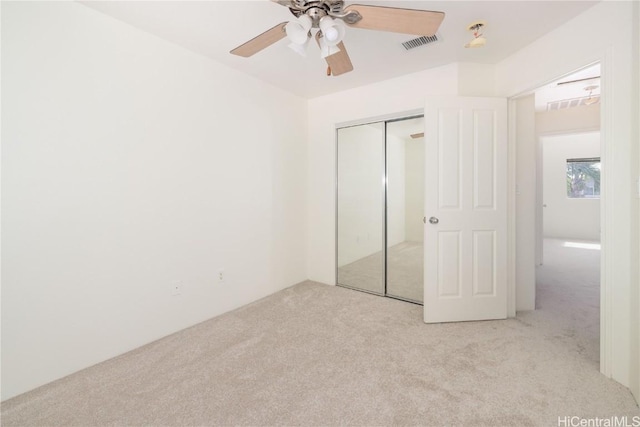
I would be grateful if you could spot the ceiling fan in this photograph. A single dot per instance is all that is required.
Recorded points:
(330, 17)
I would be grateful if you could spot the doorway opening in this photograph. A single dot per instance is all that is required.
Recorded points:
(568, 278)
(380, 208)
(569, 177)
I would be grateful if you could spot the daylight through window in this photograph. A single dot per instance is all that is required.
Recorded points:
(583, 178)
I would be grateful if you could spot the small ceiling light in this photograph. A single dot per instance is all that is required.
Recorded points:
(591, 100)
(478, 38)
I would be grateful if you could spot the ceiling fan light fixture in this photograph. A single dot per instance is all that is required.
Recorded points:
(298, 30)
(332, 29)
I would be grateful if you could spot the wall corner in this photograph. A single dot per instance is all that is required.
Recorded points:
(476, 79)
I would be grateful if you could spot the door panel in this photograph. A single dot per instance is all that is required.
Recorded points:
(484, 272)
(465, 189)
(449, 147)
(449, 265)
(484, 153)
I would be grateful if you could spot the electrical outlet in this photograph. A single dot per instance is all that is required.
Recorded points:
(176, 288)
(221, 277)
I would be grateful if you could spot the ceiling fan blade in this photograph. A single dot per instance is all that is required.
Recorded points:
(417, 135)
(396, 20)
(262, 41)
(339, 62)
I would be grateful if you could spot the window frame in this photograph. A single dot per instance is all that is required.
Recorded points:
(584, 160)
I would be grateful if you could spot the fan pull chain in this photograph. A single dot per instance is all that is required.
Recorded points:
(328, 71)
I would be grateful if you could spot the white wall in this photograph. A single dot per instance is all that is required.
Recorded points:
(570, 120)
(361, 192)
(414, 181)
(561, 52)
(564, 217)
(476, 79)
(129, 164)
(391, 97)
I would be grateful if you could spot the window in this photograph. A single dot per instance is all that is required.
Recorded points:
(583, 178)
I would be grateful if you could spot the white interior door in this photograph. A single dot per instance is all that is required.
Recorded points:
(466, 209)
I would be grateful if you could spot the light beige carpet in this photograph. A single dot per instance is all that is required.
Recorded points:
(404, 272)
(568, 294)
(322, 355)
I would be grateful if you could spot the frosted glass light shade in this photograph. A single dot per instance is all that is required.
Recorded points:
(298, 30)
(333, 30)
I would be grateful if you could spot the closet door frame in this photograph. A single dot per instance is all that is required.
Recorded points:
(413, 114)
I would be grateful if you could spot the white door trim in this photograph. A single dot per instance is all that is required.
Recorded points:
(607, 204)
(511, 207)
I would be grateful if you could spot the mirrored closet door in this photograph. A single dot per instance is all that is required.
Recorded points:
(360, 200)
(380, 203)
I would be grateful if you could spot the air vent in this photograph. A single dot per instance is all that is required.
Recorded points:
(570, 103)
(420, 41)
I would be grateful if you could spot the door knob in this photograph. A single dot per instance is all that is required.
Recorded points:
(433, 220)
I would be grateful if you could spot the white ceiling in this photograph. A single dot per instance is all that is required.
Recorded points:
(213, 28)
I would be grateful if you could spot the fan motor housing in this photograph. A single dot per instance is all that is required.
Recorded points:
(316, 9)
(315, 13)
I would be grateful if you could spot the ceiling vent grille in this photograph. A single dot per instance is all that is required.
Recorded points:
(570, 103)
(420, 41)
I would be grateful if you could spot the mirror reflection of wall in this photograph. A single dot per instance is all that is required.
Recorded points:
(361, 207)
(405, 209)
(380, 240)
